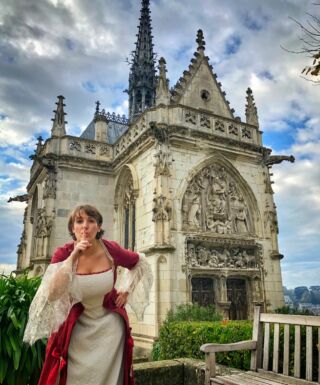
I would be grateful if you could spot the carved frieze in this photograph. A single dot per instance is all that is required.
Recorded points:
(204, 255)
(213, 202)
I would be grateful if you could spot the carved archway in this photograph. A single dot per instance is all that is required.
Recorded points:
(126, 193)
(216, 199)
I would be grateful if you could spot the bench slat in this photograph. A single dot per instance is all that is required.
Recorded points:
(284, 379)
(247, 379)
(297, 350)
(257, 378)
(309, 353)
(275, 362)
(266, 344)
(290, 319)
(286, 350)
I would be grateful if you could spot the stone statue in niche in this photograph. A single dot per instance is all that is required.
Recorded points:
(50, 186)
(240, 217)
(214, 202)
(42, 232)
(162, 209)
(194, 211)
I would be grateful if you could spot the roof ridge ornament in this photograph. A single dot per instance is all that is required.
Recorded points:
(200, 41)
(59, 123)
(162, 90)
(251, 109)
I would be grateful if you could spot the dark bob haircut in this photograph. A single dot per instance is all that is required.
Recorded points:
(89, 210)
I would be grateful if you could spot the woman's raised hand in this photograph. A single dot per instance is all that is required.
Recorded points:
(79, 247)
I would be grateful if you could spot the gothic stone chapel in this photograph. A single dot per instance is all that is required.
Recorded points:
(182, 180)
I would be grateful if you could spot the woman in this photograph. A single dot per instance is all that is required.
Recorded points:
(78, 306)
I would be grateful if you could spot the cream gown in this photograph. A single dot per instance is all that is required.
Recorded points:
(95, 355)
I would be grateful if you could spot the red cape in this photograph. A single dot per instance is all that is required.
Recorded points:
(56, 363)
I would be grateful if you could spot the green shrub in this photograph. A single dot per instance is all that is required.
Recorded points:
(193, 312)
(20, 364)
(290, 310)
(183, 339)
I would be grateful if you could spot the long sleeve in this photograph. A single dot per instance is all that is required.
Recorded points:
(137, 282)
(53, 301)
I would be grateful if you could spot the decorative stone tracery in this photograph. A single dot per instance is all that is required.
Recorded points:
(214, 202)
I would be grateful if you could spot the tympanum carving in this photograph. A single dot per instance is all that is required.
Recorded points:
(213, 202)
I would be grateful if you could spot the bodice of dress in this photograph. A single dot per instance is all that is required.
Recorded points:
(93, 288)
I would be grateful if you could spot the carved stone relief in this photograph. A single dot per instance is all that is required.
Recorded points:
(246, 133)
(204, 121)
(200, 255)
(74, 145)
(213, 202)
(49, 190)
(90, 148)
(219, 126)
(162, 209)
(233, 130)
(105, 150)
(190, 117)
(44, 224)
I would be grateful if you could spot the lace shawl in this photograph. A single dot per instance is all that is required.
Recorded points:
(50, 307)
(137, 282)
(59, 291)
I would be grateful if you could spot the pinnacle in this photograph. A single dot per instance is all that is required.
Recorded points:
(200, 41)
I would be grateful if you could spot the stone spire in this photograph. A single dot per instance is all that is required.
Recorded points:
(59, 124)
(142, 78)
(162, 91)
(251, 110)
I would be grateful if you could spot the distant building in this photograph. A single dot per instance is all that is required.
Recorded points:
(288, 301)
(182, 179)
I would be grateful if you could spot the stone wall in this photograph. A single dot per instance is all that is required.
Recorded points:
(182, 371)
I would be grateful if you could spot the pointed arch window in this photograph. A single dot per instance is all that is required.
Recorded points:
(129, 209)
(125, 200)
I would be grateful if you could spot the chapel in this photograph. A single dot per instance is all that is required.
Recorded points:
(181, 179)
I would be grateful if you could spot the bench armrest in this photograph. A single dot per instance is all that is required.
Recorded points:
(242, 345)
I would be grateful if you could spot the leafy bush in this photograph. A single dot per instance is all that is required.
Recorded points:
(20, 364)
(193, 312)
(183, 339)
(290, 310)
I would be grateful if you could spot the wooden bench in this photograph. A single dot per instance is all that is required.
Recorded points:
(260, 372)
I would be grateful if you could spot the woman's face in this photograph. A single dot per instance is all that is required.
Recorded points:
(85, 227)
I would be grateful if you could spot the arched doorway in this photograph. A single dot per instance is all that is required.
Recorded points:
(237, 296)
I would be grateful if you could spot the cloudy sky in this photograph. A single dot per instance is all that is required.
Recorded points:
(78, 48)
